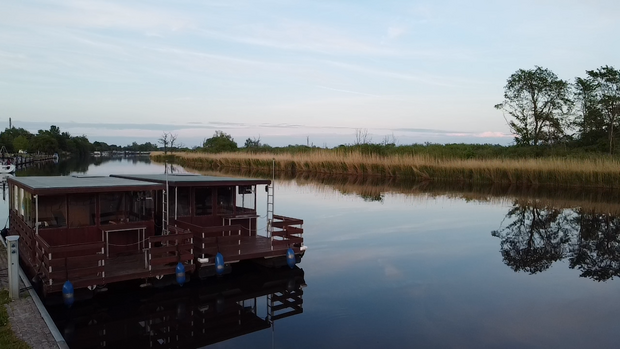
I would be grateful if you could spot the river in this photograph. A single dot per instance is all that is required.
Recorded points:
(392, 265)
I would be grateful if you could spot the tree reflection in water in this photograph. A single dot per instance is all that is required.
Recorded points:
(537, 236)
(596, 250)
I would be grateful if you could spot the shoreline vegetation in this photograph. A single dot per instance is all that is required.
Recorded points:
(597, 172)
(372, 188)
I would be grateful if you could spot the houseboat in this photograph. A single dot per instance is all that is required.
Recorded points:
(97, 230)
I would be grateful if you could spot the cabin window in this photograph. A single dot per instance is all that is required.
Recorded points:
(52, 211)
(15, 197)
(21, 202)
(27, 204)
(246, 198)
(225, 200)
(183, 203)
(111, 208)
(82, 210)
(116, 208)
(203, 198)
(140, 206)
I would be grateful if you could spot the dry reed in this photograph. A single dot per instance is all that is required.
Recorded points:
(542, 171)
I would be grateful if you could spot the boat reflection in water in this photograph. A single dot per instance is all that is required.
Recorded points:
(198, 314)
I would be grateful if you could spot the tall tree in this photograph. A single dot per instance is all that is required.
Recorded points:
(607, 82)
(252, 143)
(589, 119)
(220, 142)
(173, 138)
(164, 141)
(539, 102)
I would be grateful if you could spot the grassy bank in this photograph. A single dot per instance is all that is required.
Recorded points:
(575, 172)
(7, 338)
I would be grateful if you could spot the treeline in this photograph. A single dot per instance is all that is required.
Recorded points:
(387, 147)
(54, 141)
(102, 147)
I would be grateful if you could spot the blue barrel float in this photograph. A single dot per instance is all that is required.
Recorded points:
(290, 258)
(67, 293)
(180, 271)
(219, 264)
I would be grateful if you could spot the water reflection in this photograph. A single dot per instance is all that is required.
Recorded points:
(543, 224)
(196, 315)
(535, 236)
(375, 188)
(75, 165)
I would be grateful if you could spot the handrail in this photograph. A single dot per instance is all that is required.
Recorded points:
(76, 247)
(208, 230)
(288, 220)
(180, 236)
(47, 248)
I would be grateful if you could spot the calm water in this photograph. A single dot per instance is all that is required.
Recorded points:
(397, 267)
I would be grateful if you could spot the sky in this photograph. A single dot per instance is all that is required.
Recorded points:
(287, 72)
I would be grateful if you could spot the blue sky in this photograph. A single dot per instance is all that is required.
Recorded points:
(287, 71)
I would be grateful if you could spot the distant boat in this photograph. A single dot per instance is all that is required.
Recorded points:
(4, 168)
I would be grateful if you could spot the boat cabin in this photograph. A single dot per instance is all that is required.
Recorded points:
(90, 230)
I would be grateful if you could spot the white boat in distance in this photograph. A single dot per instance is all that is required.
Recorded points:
(4, 168)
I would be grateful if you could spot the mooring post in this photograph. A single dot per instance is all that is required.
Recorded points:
(13, 261)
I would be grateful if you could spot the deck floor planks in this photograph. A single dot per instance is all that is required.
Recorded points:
(237, 247)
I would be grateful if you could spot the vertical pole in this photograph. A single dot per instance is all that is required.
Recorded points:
(13, 261)
(36, 214)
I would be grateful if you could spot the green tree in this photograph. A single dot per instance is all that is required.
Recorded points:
(540, 103)
(20, 143)
(607, 82)
(81, 146)
(8, 136)
(220, 142)
(43, 143)
(252, 143)
(589, 119)
(100, 146)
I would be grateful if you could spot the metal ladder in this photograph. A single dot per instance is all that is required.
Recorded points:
(270, 199)
(270, 196)
(165, 208)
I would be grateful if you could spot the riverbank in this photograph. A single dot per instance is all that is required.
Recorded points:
(21, 323)
(599, 173)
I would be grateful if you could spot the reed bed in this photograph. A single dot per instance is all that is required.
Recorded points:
(599, 172)
(602, 201)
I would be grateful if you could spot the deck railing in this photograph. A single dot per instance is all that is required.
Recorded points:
(287, 231)
(170, 249)
(208, 241)
(26, 234)
(85, 266)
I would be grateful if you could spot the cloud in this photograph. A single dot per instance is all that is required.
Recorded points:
(298, 36)
(494, 134)
(422, 78)
(394, 32)
(346, 91)
(94, 14)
